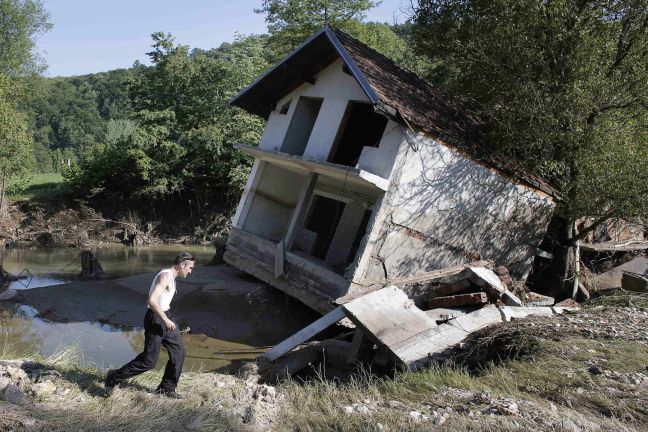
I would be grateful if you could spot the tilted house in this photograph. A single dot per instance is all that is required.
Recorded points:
(365, 173)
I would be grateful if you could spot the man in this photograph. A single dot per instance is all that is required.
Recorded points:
(159, 329)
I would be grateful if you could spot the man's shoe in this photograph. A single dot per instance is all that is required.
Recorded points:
(109, 383)
(172, 394)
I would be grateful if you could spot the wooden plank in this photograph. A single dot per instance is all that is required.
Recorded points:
(304, 334)
(388, 315)
(459, 300)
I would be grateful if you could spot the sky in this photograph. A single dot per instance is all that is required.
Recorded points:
(99, 35)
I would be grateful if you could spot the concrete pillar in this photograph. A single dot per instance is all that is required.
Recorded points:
(301, 210)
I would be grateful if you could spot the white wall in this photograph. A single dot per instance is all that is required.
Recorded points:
(337, 89)
(380, 160)
(273, 203)
(447, 209)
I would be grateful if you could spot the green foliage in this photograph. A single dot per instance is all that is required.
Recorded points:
(562, 86)
(182, 130)
(21, 21)
(15, 139)
(290, 22)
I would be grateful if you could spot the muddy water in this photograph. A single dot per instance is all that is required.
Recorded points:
(231, 315)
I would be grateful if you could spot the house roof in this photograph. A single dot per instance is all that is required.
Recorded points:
(406, 97)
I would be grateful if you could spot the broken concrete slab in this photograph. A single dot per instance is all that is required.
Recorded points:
(488, 280)
(417, 351)
(634, 282)
(444, 314)
(613, 278)
(459, 300)
(535, 299)
(559, 310)
(478, 319)
(389, 315)
(512, 312)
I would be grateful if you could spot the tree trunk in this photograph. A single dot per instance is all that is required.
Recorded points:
(2, 199)
(565, 262)
(90, 266)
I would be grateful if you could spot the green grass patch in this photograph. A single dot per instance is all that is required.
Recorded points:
(38, 186)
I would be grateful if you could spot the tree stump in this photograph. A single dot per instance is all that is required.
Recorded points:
(90, 266)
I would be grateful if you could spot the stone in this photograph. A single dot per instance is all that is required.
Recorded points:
(43, 389)
(396, 404)
(13, 394)
(4, 382)
(348, 409)
(16, 373)
(439, 420)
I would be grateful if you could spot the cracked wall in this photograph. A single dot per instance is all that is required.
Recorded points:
(444, 209)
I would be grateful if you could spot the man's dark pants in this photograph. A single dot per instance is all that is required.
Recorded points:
(155, 335)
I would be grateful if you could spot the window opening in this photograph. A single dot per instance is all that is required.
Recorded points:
(360, 127)
(301, 125)
(285, 107)
(323, 220)
(358, 238)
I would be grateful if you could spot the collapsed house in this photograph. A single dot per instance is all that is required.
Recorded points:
(366, 175)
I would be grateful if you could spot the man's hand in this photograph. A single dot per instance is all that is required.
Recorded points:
(170, 325)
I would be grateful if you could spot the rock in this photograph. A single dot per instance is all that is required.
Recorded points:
(43, 389)
(596, 370)
(363, 409)
(439, 420)
(13, 394)
(396, 404)
(4, 382)
(415, 415)
(348, 409)
(15, 373)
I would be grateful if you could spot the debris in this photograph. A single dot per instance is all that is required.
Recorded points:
(477, 320)
(613, 278)
(535, 299)
(305, 334)
(459, 300)
(445, 314)
(8, 294)
(569, 302)
(634, 282)
(511, 312)
(488, 280)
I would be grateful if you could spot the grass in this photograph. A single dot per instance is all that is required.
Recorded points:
(39, 186)
(555, 372)
(549, 379)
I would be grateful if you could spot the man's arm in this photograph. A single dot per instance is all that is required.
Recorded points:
(161, 284)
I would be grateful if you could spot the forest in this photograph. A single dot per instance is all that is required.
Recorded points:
(561, 88)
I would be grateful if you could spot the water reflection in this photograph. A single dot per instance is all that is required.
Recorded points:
(233, 317)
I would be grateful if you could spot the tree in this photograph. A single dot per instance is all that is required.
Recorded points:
(21, 21)
(15, 142)
(290, 22)
(184, 131)
(561, 86)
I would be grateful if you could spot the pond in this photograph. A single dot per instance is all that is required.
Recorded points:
(232, 316)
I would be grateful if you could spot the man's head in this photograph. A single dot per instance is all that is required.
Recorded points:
(184, 264)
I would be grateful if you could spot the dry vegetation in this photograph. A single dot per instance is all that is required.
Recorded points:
(581, 372)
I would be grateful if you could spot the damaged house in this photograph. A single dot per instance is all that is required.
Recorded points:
(366, 174)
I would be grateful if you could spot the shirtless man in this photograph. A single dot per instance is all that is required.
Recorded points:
(159, 330)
